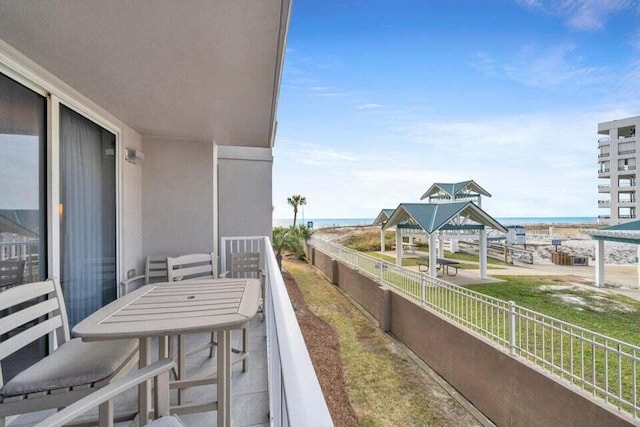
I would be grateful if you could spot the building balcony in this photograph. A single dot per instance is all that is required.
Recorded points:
(604, 141)
(626, 138)
(603, 155)
(604, 188)
(627, 216)
(627, 168)
(626, 203)
(604, 203)
(627, 153)
(604, 173)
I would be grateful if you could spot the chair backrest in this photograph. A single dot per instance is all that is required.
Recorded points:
(155, 269)
(193, 266)
(11, 272)
(245, 265)
(24, 319)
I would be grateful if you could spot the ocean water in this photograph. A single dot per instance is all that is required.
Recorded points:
(344, 222)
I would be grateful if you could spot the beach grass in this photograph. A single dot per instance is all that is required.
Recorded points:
(385, 387)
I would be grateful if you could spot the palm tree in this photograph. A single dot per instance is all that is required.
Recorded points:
(296, 201)
(285, 239)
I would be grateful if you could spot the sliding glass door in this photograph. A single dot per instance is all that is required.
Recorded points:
(23, 201)
(87, 215)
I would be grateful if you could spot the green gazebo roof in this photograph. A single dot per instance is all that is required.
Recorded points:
(432, 217)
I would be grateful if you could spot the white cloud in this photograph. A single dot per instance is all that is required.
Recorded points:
(585, 15)
(534, 165)
(543, 67)
(369, 106)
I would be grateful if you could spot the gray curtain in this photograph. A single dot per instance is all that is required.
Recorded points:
(87, 197)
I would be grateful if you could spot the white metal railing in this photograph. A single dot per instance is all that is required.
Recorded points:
(605, 367)
(295, 396)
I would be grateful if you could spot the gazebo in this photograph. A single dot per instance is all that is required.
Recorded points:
(441, 192)
(440, 221)
(623, 233)
(380, 220)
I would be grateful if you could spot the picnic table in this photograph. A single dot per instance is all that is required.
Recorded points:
(443, 265)
(178, 308)
(406, 247)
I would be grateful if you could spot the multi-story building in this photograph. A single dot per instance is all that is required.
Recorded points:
(617, 170)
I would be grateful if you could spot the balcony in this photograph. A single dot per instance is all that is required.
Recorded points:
(627, 168)
(604, 173)
(627, 153)
(280, 388)
(604, 141)
(627, 216)
(604, 188)
(604, 216)
(604, 203)
(626, 203)
(603, 155)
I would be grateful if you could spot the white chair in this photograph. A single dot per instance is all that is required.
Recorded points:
(246, 265)
(72, 371)
(191, 267)
(158, 371)
(202, 267)
(155, 270)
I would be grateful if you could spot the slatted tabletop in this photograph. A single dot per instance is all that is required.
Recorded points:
(173, 308)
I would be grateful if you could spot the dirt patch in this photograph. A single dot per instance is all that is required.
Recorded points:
(324, 348)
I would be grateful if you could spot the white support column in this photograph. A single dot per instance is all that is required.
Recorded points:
(483, 254)
(381, 239)
(440, 245)
(398, 247)
(638, 284)
(454, 246)
(599, 263)
(433, 257)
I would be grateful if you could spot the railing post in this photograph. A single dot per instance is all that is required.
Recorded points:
(380, 268)
(512, 328)
(423, 290)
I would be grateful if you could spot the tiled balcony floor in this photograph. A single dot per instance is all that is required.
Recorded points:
(250, 399)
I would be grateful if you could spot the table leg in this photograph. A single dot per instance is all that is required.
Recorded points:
(163, 350)
(182, 367)
(144, 389)
(224, 378)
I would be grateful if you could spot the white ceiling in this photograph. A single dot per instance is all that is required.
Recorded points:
(197, 69)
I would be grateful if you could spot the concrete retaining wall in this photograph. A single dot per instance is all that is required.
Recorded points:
(507, 391)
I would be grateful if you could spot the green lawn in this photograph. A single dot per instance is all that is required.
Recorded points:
(546, 345)
(613, 315)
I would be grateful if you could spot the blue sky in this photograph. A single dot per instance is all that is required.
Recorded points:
(380, 99)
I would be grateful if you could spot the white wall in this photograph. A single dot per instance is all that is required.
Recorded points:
(177, 196)
(131, 247)
(244, 191)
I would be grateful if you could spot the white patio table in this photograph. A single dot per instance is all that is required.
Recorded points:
(178, 308)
